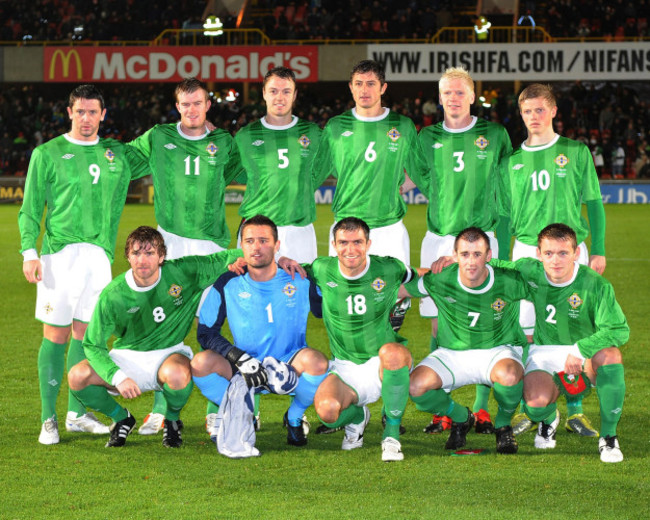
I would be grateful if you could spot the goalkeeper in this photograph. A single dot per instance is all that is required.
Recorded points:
(579, 327)
(267, 313)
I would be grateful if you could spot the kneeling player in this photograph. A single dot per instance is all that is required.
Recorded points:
(577, 320)
(150, 310)
(267, 313)
(479, 338)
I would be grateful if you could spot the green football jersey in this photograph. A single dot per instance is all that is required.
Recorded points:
(583, 310)
(277, 161)
(463, 171)
(150, 318)
(84, 187)
(190, 175)
(480, 318)
(368, 157)
(356, 310)
(545, 184)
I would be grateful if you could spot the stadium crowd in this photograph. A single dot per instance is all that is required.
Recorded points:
(309, 19)
(613, 120)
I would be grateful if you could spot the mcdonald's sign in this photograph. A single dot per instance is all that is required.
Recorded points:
(58, 64)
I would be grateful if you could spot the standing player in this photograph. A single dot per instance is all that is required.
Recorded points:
(277, 154)
(370, 359)
(480, 341)
(463, 154)
(191, 167)
(267, 313)
(368, 149)
(578, 319)
(149, 309)
(83, 181)
(547, 180)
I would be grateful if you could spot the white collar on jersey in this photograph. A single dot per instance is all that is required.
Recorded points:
(460, 130)
(82, 143)
(527, 148)
(190, 137)
(360, 274)
(371, 119)
(130, 281)
(576, 266)
(484, 289)
(265, 124)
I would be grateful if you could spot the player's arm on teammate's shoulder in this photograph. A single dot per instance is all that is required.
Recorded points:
(291, 267)
(211, 318)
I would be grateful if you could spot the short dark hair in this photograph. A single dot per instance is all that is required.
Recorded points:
(86, 91)
(558, 231)
(472, 234)
(146, 235)
(365, 66)
(189, 85)
(279, 72)
(351, 224)
(259, 220)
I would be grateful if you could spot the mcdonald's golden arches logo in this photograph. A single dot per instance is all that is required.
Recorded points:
(65, 58)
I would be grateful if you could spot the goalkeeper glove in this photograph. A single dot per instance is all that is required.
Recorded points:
(250, 368)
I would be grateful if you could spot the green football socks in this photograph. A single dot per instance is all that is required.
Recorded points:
(395, 394)
(50, 373)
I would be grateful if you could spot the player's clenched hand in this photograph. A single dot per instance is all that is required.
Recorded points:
(238, 266)
(573, 365)
(291, 267)
(33, 270)
(598, 263)
(250, 368)
(128, 388)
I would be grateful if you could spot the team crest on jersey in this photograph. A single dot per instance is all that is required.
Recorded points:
(378, 284)
(110, 156)
(482, 142)
(575, 301)
(289, 289)
(561, 160)
(498, 305)
(175, 290)
(393, 134)
(212, 149)
(304, 141)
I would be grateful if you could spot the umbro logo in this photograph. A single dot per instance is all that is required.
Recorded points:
(533, 285)
(170, 146)
(67, 156)
(244, 294)
(437, 145)
(332, 284)
(133, 309)
(450, 299)
(259, 142)
(347, 133)
(616, 411)
(517, 167)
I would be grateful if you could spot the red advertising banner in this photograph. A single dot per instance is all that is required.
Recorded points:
(151, 64)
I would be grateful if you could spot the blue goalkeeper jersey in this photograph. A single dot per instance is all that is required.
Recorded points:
(265, 318)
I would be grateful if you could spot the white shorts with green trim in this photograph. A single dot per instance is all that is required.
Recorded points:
(458, 368)
(72, 280)
(143, 367)
(363, 379)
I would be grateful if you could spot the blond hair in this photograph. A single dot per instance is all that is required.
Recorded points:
(457, 73)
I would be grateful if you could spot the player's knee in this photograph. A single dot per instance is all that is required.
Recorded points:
(507, 372)
(316, 363)
(606, 356)
(394, 356)
(79, 375)
(328, 409)
(176, 376)
(422, 381)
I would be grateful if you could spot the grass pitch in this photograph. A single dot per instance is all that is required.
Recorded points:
(79, 478)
